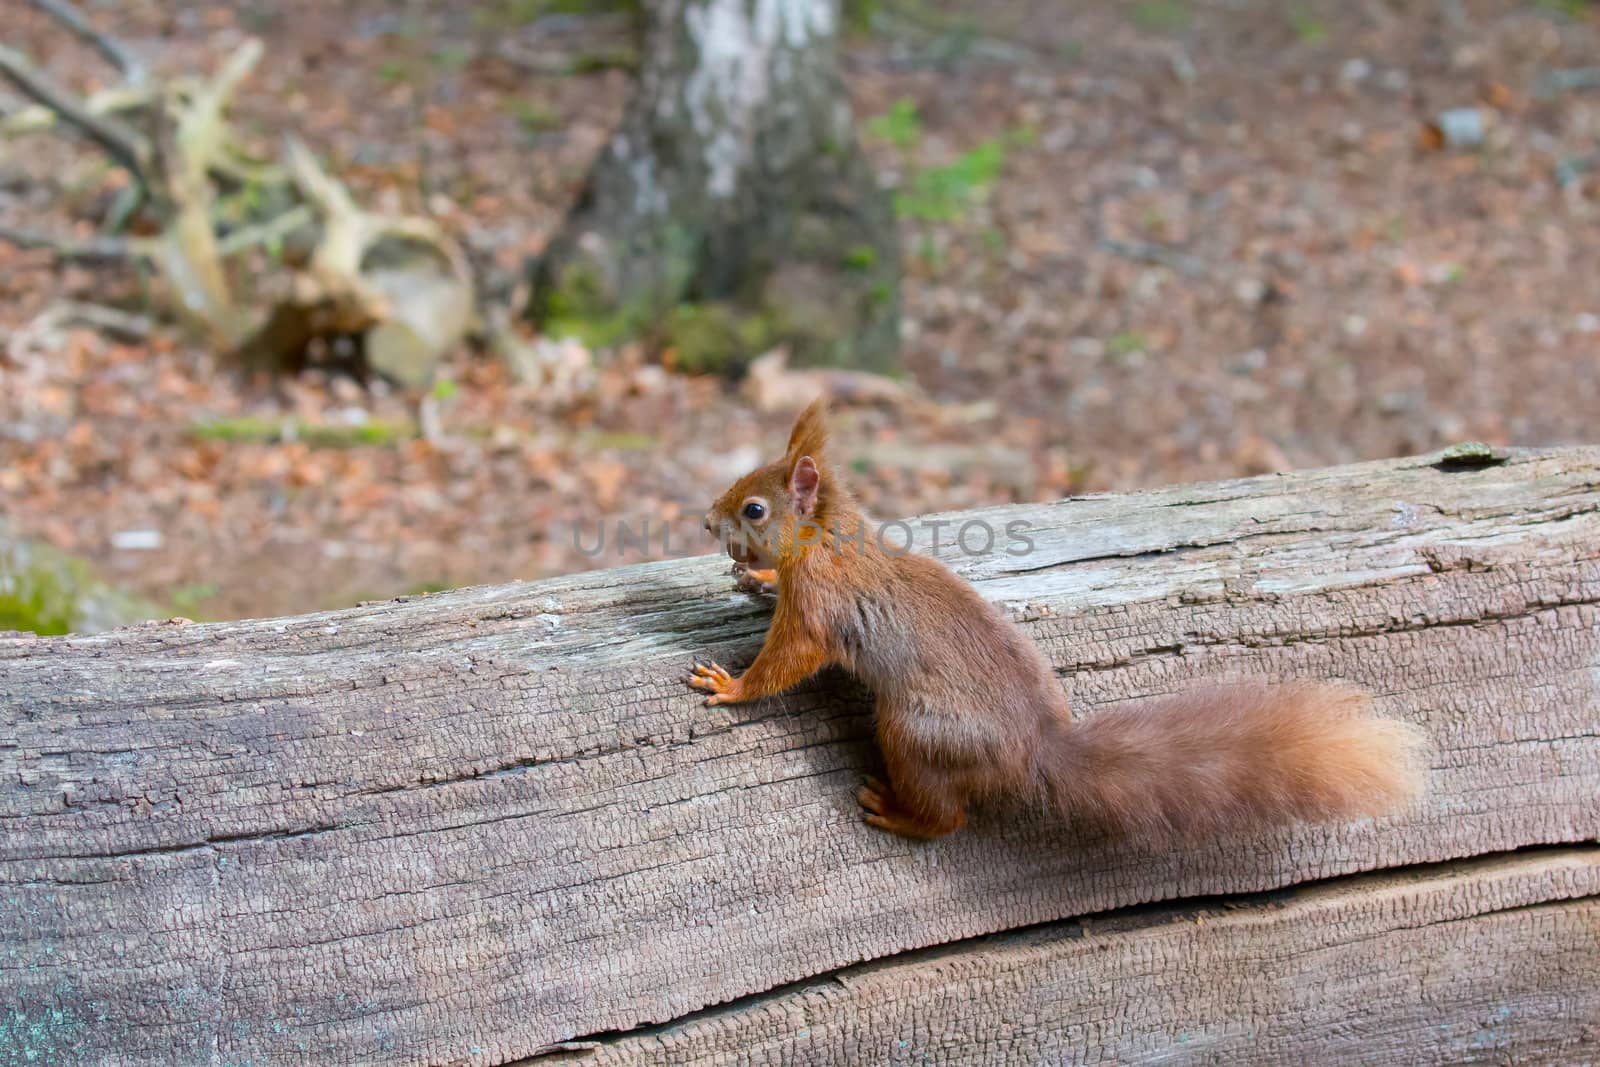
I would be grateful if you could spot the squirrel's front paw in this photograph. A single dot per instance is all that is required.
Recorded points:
(723, 687)
(755, 581)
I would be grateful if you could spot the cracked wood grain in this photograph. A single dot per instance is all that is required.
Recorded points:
(1481, 961)
(464, 827)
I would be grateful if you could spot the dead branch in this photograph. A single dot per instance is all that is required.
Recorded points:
(119, 141)
(109, 47)
(81, 249)
(265, 233)
(1573, 79)
(409, 311)
(116, 100)
(1160, 255)
(400, 283)
(201, 131)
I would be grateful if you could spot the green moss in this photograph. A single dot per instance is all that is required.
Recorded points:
(717, 338)
(424, 588)
(509, 14)
(620, 440)
(47, 592)
(598, 332)
(578, 305)
(240, 429)
(1572, 9)
(253, 430)
(861, 257)
(578, 293)
(39, 601)
(619, 58)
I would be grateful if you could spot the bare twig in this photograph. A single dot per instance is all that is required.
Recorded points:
(1160, 255)
(45, 332)
(85, 249)
(114, 322)
(113, 101)
(234, 165)
(213, 99)
(336, 263)
(190, 136)
(274, 229)
(112, 49)
(120, 142)
(425, 232)
(201, 133)
(1556, 82)
(1570, 171)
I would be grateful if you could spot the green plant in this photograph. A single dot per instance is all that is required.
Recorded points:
(1307, 27)
(1128, 342)
(1572, 9)
(1162, 15)
(901, 125)
(861, 257)
(533, 117)
(394, 71)
(424, 588)
(858, 14)
(187, 599)
(452, 57)
(942, 194)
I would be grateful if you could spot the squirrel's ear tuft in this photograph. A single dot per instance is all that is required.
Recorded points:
(804, 483)
(810, 434)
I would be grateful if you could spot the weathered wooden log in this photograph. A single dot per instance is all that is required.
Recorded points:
(1479, 961)
(470, 827)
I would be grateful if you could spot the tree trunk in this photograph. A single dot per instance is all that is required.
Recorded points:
(472, 827)
(733, 211)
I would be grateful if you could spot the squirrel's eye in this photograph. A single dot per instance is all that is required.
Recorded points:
(754, 511)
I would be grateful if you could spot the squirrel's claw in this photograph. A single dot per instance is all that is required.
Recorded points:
(710, 678)
(750, 580)
(875, 798)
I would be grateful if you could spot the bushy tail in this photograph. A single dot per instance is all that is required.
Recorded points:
(1229, 758)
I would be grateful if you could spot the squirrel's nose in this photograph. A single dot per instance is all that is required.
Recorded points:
(707, 522)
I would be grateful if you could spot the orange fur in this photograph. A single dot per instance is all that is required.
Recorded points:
(967, 707)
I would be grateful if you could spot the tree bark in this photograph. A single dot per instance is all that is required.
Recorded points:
(470, 827)
(733, 210)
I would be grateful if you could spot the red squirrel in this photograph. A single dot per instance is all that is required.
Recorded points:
(968, 708)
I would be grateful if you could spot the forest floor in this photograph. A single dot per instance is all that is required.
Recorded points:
(1218, 242)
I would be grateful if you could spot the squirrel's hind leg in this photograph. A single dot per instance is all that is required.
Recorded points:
(918, 801)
